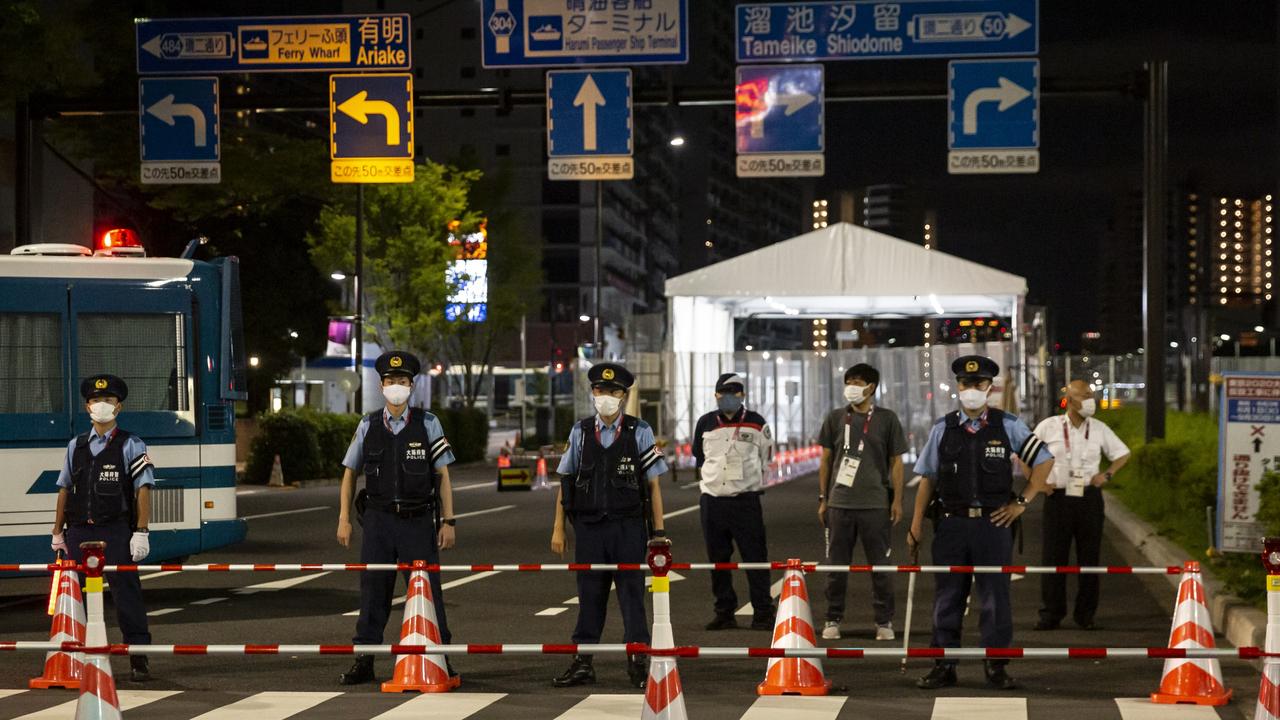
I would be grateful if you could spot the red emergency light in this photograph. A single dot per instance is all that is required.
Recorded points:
(120, 242)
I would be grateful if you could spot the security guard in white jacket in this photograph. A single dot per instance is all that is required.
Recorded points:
(732, 446)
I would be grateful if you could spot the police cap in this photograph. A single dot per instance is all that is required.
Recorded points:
(104, 384)
(975, 366)
(610, 375)
(397, 362)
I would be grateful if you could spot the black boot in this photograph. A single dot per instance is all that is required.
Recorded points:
(997, 678)
(764, 620)
(638, 670)
(361, 671)
(723, 622)
(581, 672)
(139, 670)
(942, 675)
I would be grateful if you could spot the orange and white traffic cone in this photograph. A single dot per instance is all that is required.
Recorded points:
(793, 628)
(1186, 680)
(420, 673)
(277, 473)
(63, 669)
(98, 699)
(663, 694)
(1269, 689)
(540, 481)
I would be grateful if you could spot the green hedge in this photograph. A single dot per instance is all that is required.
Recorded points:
(1170, 482)
(467, 430)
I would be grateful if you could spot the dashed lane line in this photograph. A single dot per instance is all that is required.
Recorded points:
(287, 512)
(681, 511)
(209, 601)
(163, 611)
(279, 584)
(551, 611)
(486, 511)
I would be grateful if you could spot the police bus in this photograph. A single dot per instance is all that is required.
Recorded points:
(172, 328)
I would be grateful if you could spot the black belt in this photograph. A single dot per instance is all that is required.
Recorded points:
(964, 511)
(405, 510)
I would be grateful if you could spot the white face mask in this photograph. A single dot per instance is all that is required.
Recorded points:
(973, 398)
(1088, 407)
(607, 405)
(397, 394)
(102, 412)
(853, 394)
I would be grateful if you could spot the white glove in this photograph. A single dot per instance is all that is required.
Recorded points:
(59, 543)
(140, 546)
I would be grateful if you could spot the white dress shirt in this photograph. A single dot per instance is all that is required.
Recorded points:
(1078, 448)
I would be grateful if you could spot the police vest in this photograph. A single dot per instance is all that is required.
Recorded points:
(975, 468)
(101, 487)
(398, 468)
(608, 482)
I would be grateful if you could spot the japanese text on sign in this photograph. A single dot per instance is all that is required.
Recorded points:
(1250, 448)
(559, 32)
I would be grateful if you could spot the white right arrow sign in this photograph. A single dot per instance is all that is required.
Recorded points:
(1007, 94)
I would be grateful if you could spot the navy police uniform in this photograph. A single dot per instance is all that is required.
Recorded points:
(970, 464)
(401, 458)
(102, 475)
(605, 478)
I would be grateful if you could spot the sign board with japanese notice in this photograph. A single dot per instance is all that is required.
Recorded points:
(778, 120)
(178, 126)
(376, 41)
(548, 33)
(589, 127)
(371, 128)
(1248, 448)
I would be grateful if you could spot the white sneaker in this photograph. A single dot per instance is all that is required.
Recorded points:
(884, 632)
(831, 630)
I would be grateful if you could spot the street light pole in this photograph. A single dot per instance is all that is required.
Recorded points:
(359, 320)
(1154, 232)
(595, 347)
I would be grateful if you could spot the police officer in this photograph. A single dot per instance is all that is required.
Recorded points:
(968, 463)
(104, 495)
(404, 456)
(1074, 509)
(731, 445)
(609, 479)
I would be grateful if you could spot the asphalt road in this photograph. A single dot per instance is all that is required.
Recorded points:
(298, 526)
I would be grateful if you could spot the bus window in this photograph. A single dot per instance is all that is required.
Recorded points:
(147, 350)
(30, 363)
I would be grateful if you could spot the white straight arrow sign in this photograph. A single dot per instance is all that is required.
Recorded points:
(589, 98)
(1008, 94)
(166, 109)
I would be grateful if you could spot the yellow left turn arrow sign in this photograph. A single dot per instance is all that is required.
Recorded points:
(359, 107)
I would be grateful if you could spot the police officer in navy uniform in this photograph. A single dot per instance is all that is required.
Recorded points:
(104, 495)
(609, 479)
(404, 456)
(968, 463)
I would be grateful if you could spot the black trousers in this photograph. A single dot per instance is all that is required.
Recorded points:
(736, 519)
(845, 528)
(126, 588)
(972, 541)
(612, 540)
(390, 538)
(1067, 519)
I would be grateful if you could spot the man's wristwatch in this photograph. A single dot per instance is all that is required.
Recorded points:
(659, 533)
(1107, 475)
(144, 531)
(450, 521)
(822, 498)
(1022, 502)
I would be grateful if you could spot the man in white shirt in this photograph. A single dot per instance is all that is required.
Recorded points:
(1074, 510)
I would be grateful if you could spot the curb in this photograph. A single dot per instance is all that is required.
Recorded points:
(1240, 623)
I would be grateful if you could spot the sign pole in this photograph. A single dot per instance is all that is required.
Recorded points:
(595, 348)
(1156, 151)
(359, 281)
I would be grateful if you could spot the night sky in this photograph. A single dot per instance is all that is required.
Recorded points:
(1223, 134)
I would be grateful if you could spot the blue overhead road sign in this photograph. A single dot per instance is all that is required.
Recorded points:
(584, 32)
(778, 120)
(589, 117)
(178, 128)
(876, 29)
(993, 105)
(374, 41)
(371, 127)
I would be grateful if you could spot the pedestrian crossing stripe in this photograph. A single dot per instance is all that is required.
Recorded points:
(215, 705)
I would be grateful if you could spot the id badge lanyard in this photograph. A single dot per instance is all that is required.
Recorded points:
(1066, 439)
(866, 425)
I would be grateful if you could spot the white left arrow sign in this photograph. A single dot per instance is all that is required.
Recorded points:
(589, 98)
(167, 110)
(1007, 94)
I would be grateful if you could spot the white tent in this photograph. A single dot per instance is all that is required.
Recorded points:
(839, 271)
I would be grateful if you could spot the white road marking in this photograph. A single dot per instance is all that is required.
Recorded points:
(268, 706)
(248, 491)
(795, 708)
(279, 584)
(979, 708)
(686, 486)
(287, 512)
(551, 611)
(598, 707)
(129, 699)
(1015, 577)
(453, 706)
(155, 575)
(774, 591)
(163, 611)
(209, 601)
(571, 601)
(473, 513)
(7, 693)
(681, 511)
(1143, 709)
(443, 586)
(473, 486)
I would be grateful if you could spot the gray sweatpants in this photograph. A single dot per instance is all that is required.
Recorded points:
(846, 528)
